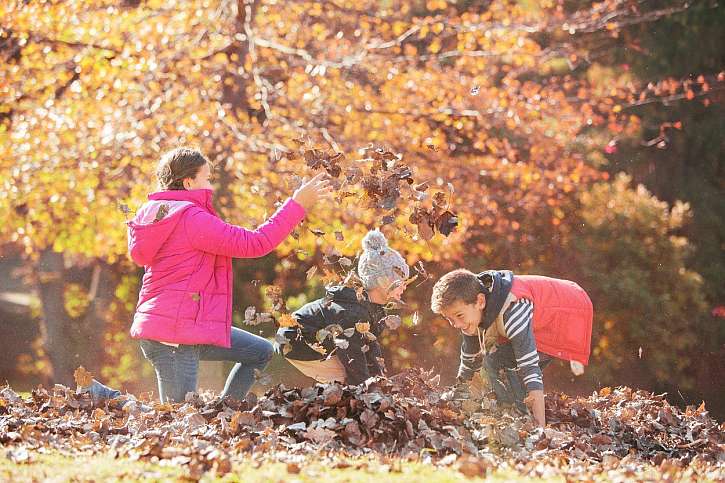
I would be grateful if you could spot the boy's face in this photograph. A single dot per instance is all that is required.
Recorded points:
(465, 317)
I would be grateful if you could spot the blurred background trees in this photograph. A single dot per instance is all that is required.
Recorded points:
(575, 139)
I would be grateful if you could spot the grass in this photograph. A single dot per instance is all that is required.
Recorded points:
(57, 467)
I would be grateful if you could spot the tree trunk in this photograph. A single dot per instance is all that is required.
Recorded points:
(70, 342)
(51, 278)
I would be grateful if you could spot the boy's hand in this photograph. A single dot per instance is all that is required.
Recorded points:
(535, 402)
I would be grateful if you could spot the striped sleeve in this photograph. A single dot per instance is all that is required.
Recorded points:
(471, 357)
(518, 325)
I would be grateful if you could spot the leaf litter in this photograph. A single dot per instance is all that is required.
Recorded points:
(615, 433)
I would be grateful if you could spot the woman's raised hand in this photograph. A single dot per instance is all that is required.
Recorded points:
(312, 191)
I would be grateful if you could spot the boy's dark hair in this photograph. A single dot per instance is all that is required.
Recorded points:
(457, 285)
(177, 165)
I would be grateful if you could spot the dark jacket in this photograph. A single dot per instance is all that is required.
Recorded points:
(340, 306)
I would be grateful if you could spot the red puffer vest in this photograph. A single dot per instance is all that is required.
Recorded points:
(563, 316)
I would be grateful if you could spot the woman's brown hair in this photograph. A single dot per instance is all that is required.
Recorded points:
(177, 165)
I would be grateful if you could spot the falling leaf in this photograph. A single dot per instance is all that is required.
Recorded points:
(321, 335)
(446, 223)
(425, 231)
(317, 232)
(422, 186)
(286, 320)
(250, 315)
(362, 327)
(274, 293)
(392, 322)
(82, 377)
(161, 213)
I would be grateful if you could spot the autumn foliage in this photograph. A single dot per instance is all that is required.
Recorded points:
(475, 134)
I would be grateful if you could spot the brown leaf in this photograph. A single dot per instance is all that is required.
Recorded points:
(82, 377)
(369, 418)
(286, 320)
(332, 394)
(446, 223)
(601, 439)
(319, 435)
(392, 322)
(425, 232)
(161, 213)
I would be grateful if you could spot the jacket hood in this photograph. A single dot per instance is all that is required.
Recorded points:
(158, 217)
(496, 287)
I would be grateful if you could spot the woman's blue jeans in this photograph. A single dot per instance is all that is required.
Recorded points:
(177, 368)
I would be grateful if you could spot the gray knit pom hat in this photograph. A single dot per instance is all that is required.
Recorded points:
(379, 264)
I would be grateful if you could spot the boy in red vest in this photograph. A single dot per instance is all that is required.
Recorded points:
(526, 319)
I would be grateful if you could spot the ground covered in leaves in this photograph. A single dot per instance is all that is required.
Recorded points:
(386, 424)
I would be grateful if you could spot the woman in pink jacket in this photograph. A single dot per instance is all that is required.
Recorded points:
(184, 311)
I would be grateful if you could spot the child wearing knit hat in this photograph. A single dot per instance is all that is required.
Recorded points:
(350, 356)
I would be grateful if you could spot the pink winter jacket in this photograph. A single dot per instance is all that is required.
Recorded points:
(187, 251)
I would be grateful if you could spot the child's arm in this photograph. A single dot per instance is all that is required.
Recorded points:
(471, 357)
(519, 330)
(535, 401)
(208, 233)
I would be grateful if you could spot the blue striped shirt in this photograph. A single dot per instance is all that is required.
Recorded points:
(519, 329)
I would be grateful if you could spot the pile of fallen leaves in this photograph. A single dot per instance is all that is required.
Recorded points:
(406, 416)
